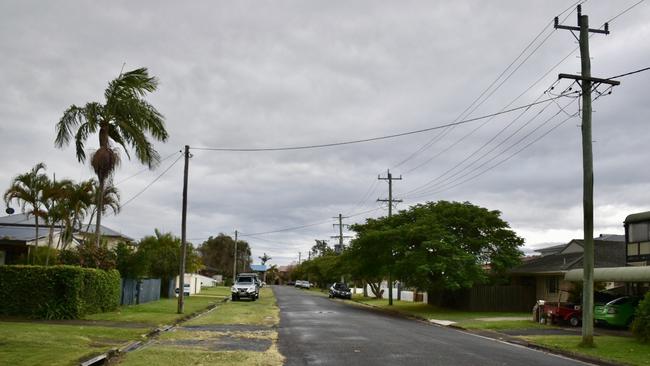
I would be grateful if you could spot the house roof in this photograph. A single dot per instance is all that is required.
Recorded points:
(550, 250)
(637, 217)
(21, 233)
(606, 254)
(23, 220)
(258, 268)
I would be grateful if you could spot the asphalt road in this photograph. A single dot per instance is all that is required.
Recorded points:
(315, 330)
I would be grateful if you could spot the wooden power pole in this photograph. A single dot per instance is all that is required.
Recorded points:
(234, 262)
(390, 200)
(586, 82)
(181, 275)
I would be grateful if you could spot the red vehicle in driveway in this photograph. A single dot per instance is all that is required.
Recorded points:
(556, 313)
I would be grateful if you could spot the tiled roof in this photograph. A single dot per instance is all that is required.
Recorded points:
(606, 254)
(258, 268)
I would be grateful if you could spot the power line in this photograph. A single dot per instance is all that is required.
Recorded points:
(468, 166)
(152, 182)
(624, 11)
(438, 137)
(378, 138)
(287, 228)
(629, 73)
(147, 169)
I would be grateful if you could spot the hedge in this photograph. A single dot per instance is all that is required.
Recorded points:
(57, 292)
(641, 325)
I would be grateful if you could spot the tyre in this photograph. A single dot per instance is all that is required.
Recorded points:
(235, 297)
(574, 321)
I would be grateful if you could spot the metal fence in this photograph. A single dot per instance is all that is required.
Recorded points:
(140, 291)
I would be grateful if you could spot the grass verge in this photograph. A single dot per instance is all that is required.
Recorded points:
(195, 347)
(624, 350)
(157, 312)
(55, 344)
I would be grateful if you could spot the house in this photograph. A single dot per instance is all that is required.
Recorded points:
(110, 236)
(546, 272)
(18, 236)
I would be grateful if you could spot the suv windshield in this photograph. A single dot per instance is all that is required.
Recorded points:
(244, 279)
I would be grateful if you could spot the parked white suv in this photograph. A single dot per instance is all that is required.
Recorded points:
(303, 284)
(246, 285)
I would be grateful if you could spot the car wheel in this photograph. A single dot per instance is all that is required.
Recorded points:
(235, 298)
(574, 321)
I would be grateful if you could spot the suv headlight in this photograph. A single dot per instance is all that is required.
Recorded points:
(233, 289)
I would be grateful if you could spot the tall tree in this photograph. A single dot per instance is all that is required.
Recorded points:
(110, 199)
(437, 245)
(27, 190)
(217, 253)
(124, 119)
(56, 202)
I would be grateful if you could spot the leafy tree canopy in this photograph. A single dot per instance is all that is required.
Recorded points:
(217, 254)
(435, 245)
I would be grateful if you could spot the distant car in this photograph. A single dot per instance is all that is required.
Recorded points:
(186, 287)
(340, 290)
(618, 312)
(291, 283)
(247, 285)
(303, 284)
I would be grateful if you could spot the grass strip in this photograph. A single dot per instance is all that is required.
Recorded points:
(56, 344)
(624, 350)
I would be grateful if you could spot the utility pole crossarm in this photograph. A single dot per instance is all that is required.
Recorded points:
(590, 79)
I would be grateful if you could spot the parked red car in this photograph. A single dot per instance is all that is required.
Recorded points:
(562, 313)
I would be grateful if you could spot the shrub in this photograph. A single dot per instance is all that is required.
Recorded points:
(57, 292)
(641, 326)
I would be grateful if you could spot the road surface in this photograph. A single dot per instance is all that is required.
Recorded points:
(315, 330)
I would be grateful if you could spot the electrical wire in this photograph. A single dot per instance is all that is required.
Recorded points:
(623, 12)
(151, 183)
(629, 73)
(147, 169)
(437, 138)
(378, 138)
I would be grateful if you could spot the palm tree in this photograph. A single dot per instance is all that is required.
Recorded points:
(110, 199)
(124, 119)
(56, 202)
(265, 258)
(27, 190)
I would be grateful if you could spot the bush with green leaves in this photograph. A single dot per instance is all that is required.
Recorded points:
(57, 292)
(641, 326)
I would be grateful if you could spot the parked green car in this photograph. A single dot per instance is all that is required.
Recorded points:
(618, 312)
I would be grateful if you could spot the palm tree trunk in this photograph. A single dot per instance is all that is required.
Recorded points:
(92, 216)
(100, 202)
(50, 239)
(28, 249)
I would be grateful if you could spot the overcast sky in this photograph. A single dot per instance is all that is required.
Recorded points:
(256, 74)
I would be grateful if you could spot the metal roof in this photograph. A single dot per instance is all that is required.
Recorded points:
(613, 274)
(22, 233)
(27, 221)
(637, 217)
(258, 267)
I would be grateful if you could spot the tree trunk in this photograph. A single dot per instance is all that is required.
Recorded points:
(50, 239)
(36, 221)
(100, 202)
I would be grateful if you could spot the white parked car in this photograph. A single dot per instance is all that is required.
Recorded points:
(303, 284)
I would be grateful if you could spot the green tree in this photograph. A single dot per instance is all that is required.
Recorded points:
(217, 254)
(56, 203)
(124, 119)
(320, 248)
(437, 245)
(27, 190)
(161, 254)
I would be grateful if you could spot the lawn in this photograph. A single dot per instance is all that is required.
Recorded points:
(54, 344)
(464, 319)
(262, 312)
(217, 291)
(185, 347)
(618, 349)
(158, 312)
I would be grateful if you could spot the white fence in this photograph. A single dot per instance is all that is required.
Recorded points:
(404, 296)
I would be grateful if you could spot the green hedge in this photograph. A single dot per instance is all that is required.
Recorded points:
(57, 292)
(641, 325)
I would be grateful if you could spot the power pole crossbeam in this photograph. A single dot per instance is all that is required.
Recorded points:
(341, 225)
(390, 200)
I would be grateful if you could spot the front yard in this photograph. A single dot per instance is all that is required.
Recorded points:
(27, 342)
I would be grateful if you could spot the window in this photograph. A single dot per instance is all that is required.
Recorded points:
(638, 232)
(632, 249)
(644, 248)
(553, 284)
